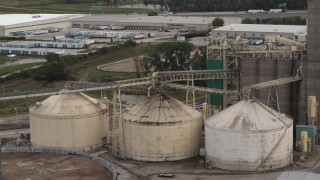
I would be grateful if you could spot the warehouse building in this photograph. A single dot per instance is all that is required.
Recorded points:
(293, 32)
(29, 51)
(144, 22)
(63, 44)
(11, 23)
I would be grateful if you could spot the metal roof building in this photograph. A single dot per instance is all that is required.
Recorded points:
(23, 22)
(149, 22)
(260, 30)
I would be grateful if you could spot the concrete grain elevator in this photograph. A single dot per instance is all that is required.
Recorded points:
(311, 67)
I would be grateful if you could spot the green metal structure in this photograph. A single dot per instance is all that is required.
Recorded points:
(215, 99)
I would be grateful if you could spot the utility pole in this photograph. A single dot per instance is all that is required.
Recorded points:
(42, 6)
(4, 102)
(16, 115)
(81, 5)
(1, 159)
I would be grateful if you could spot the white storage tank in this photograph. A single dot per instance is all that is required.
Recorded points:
(161, 128)
(71, 121)
(249, 136)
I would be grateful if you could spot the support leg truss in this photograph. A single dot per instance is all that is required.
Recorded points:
(190, 96)
(273, 98)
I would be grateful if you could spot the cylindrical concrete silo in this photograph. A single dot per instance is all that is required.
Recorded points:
(161, 128)
(71, 121)
(249, 136)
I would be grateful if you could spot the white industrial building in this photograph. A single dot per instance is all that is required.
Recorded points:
(149, 22)
(10, 23)
(29, 51)
(294, 32)
(61, 44)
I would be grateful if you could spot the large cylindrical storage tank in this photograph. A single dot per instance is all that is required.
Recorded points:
(161, 128)
(70, 121)
(249, 136)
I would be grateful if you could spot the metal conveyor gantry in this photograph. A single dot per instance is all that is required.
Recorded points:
(155, 78)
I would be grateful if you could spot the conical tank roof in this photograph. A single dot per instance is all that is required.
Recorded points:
(161, 109)
(66, 105)
(249, 115)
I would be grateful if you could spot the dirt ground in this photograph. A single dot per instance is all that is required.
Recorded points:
(127, 65)
(28, 166)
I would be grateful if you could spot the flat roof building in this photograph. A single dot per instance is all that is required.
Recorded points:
(63, 44)
(29, 51)
(260, 30)
(10, 23)
(149, 22)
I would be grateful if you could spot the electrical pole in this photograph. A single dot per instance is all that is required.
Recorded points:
(0, 159)
(42, 6)
(81, 5)
(4, 103)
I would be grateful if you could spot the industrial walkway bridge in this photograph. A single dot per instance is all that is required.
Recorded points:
(156, 78)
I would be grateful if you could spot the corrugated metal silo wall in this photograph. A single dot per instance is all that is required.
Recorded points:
(311, 68)
(255, 71)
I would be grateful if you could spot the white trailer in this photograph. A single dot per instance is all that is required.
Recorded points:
(138, 36)
(101, 27)
(256, 11)
(275, 10)
(118, 27)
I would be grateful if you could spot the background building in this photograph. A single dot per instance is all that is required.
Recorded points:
(149, 22)
(293, 32)
(10, 23)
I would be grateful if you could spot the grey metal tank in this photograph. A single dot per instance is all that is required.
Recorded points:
(161, 128)
(249, 136)
(71, 121)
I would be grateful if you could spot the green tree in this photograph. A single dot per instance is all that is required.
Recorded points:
(276, 21)
(52, 57)
(198, 61)
(172, 56)
(54, 70)
(217, 22)
(152, 13)
(247, 21)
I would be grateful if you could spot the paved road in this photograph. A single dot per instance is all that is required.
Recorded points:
(24, 61)
(12, 119)
(13, 133)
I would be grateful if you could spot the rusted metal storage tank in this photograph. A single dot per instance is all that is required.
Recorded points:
(71, 121)
(249, 136)
(161, 128)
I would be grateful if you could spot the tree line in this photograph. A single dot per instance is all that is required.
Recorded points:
(207, 5)
(292, 20)
(232, 5)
